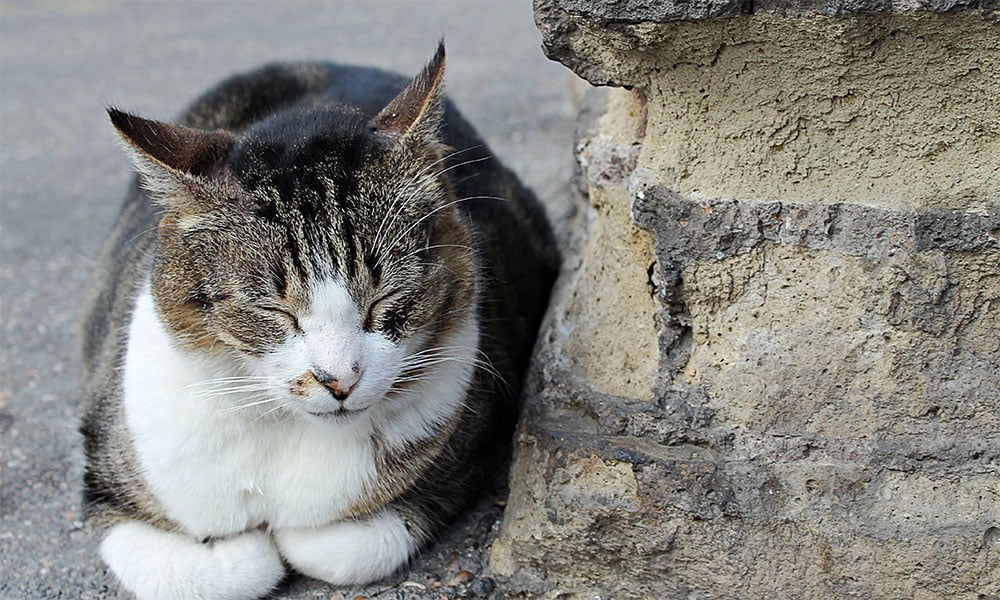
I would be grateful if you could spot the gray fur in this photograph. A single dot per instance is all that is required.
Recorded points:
(198, 270)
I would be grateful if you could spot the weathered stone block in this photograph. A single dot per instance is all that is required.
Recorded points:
(773, 367)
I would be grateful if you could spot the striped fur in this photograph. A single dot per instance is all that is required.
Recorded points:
(316, 313)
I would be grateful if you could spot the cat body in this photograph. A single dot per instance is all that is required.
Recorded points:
(311, 333)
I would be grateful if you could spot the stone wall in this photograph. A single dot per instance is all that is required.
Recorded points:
(772, 365)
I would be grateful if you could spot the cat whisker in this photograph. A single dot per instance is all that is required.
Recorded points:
(455, 166)
(485, 365)
(447, 156)
(223, 385)
(437, 265)
(230, 378)
(437, 349)
(424, 359)
(246, 406)
(268, 412)
(425, 248)
(224, 381)
(140, 234)
(422, 178)
(396, 207)
(207, 394)
(464, 360)
(410, 184)
(399, 390)
(382, 251)
(431, 213)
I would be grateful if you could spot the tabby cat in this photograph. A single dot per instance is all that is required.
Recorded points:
(311, 333)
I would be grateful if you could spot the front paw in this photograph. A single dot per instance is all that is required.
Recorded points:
(155, 564)
(349, 552)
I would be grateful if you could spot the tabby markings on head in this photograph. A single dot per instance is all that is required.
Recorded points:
(315, 258)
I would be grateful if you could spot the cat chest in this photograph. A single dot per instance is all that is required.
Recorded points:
(216, 471)
(216, 482)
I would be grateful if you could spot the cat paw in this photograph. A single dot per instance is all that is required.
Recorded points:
(349, 552)
(152, 563)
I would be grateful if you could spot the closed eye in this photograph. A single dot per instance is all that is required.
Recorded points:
(374, 306)
(284, 314)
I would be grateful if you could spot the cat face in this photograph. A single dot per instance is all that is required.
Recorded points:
(320, 249)
(322, 279)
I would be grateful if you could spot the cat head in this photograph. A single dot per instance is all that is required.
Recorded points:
(320, 248)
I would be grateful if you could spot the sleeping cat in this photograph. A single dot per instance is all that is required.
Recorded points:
(316, 314)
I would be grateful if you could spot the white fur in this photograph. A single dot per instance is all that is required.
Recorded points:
(332, 340)
(162, 182)
(154, 564)
(221, 466)
(219, 471)
(349, 552)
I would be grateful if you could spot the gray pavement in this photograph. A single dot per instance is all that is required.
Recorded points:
(62, 178)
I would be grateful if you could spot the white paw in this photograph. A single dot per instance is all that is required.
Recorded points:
(154, 564)
(349, 552)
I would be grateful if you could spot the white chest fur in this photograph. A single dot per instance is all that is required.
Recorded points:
(217, 471)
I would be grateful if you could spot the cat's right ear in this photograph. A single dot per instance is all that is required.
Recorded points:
(170, 157)
(417, 111)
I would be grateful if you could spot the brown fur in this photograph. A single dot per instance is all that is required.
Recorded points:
(237, 222)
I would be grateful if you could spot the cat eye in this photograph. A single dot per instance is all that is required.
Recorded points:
(369, 324)
(284, 314)
(205, 302)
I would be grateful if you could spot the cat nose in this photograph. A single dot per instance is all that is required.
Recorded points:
(342, 386)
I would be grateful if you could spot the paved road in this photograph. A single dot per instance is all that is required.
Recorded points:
(62, 178)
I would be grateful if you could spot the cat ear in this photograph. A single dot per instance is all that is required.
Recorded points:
(165, 153)
(417, 110)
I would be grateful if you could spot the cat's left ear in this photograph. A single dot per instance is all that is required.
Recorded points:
(166, 154)
(417, 111)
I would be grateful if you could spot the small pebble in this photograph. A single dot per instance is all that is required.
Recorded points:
(461, 577)
(413, 585)
(482, 587)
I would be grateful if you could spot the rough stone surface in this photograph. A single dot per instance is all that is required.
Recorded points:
(604, 41)
(892, 111)
(804, 213)
(615, 348)
(648, 11)
(605, 12)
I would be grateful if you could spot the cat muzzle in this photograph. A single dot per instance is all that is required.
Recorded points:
(340, 387)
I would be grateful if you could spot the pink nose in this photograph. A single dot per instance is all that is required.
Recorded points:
(341, 387)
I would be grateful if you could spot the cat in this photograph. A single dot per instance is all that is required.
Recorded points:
(319, 300)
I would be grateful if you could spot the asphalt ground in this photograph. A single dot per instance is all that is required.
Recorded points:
(62, 178)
